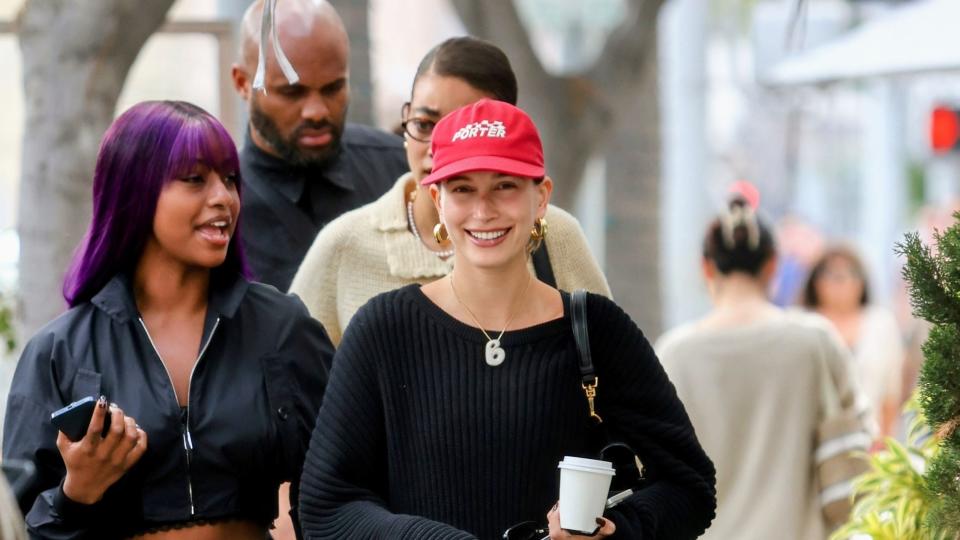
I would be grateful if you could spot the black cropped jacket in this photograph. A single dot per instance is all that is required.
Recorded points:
(253, 400)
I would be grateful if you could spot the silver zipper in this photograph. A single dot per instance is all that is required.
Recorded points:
(187, 438)
(188, 449)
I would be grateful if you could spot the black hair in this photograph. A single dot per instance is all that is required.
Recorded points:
(738, 241)
(810, 298)
(479, 63)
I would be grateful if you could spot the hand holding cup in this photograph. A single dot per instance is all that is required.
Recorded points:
(584, 487)
(607, 527)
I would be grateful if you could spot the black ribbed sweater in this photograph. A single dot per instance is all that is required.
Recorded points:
(419, 438)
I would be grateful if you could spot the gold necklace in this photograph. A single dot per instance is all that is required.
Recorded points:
(493, 353)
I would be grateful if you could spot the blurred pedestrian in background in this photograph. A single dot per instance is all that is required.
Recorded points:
(838, 289)
(749, 374)
(798, 245)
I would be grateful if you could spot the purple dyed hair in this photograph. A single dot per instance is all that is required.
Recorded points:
(147, 146)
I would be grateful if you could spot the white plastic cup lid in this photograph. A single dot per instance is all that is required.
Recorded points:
(587, 465)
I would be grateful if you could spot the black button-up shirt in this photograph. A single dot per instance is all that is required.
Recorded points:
(285, 206)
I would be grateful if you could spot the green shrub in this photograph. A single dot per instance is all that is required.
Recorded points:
(893, 497)
(913, 491)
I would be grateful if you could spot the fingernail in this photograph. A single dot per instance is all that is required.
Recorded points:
(102, 402)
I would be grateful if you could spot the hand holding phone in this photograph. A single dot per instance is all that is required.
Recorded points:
(74, 419)
(99, 457)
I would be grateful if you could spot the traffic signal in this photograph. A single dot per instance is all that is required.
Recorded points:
(944, 129)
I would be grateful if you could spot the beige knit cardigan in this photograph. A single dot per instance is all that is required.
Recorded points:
(753, 396)
(369, 251)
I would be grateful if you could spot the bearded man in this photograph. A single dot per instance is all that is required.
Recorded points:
(302, 164)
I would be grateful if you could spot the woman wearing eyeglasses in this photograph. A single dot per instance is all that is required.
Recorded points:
(450, 404)
(390, 242)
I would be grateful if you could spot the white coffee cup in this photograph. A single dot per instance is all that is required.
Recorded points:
(584, 484)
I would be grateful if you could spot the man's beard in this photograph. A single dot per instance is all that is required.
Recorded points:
(287, 149)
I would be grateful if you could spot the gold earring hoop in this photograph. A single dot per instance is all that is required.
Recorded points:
(440, 233)
(537, 234)
(539, 230)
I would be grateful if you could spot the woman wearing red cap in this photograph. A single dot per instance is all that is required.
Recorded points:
(388, 243)
(450, 404)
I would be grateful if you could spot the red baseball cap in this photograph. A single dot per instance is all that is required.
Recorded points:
(487, 135)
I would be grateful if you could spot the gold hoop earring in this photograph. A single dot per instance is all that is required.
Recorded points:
(440, 233)
(539, 230)
(537, 234)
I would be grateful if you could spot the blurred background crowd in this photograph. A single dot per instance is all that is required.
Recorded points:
(831, 113)
(837, 119)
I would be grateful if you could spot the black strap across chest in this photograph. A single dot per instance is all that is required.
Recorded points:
(541, 265)
(578, 314)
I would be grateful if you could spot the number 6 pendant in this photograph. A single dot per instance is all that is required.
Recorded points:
(493, 353)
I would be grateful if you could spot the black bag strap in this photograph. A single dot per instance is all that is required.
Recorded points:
(622, 455)
(589, 379)
(541, 265)
(578, 313)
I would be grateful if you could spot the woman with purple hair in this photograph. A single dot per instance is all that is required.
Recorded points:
(222, 376)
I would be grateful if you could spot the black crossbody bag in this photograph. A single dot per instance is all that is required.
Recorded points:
(629, 469)
(629, 476)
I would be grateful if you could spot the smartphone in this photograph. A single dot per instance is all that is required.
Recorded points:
(74, 419)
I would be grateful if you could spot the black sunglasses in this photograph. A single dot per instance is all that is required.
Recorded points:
(528, 530)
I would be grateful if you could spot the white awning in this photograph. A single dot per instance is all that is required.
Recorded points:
(920, 37)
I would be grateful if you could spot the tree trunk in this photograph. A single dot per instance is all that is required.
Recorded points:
(76, 56)
(569, 111)
(573, 124)
(633, 206)
(356, 18)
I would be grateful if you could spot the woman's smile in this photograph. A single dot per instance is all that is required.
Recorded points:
(216, 230)
(487, 238)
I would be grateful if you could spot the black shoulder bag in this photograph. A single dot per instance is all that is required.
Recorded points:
(625, 461)
(629, 476)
